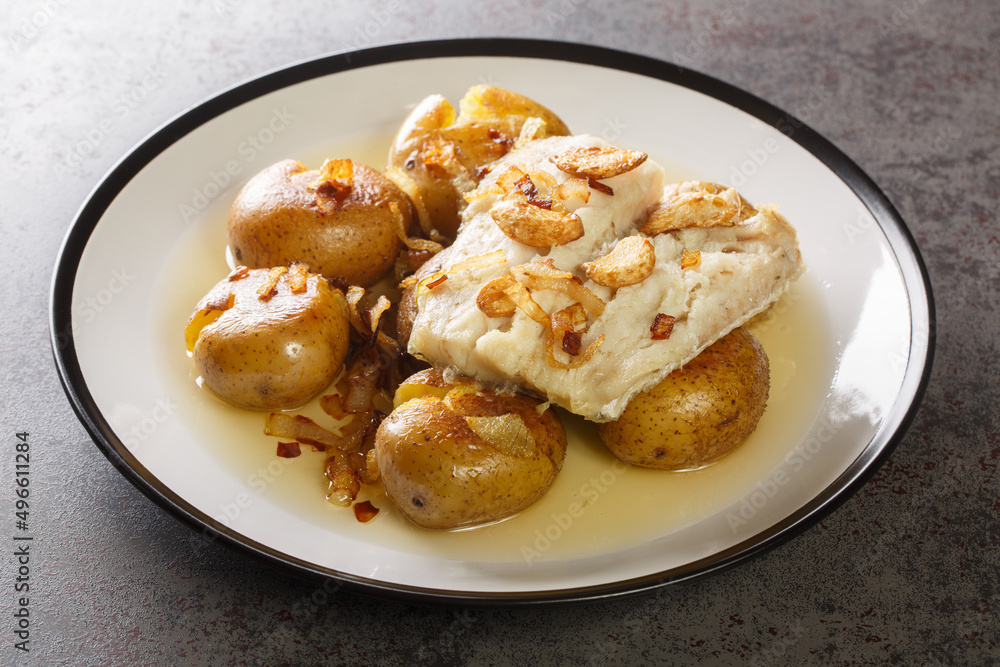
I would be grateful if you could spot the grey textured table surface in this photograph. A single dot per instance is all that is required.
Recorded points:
(914, 97)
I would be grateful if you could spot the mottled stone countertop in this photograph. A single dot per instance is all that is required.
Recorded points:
(912, 90)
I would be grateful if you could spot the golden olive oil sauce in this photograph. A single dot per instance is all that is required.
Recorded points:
(597, 504)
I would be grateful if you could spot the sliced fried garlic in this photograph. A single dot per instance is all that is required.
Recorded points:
(535, 226)
(630, 262)
(746, 209)
(692, 209)
(598, 162)
(492, 299)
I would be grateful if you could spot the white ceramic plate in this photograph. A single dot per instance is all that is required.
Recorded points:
(850, 349)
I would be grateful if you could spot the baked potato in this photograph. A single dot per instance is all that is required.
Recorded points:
(342, 220)
(440, 154)
(406, 312)
(697, 414)
(268, 339)
(453, 453)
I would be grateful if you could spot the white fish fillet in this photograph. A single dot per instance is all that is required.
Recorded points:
(742, 270)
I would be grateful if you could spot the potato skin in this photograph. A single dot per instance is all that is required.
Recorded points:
(270, 354)
(698, 413)
(488, 122)
(277, 219)
(407, 310)
(405, 314)
(442, 475)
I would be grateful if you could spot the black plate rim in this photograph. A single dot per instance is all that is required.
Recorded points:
(889, 435)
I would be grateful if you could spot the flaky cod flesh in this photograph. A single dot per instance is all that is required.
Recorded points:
(705, 262)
